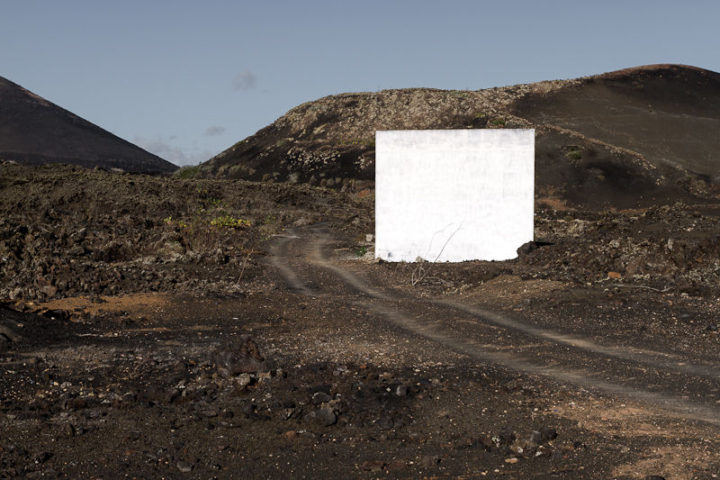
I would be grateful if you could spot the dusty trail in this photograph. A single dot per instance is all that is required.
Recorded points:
(680, 387)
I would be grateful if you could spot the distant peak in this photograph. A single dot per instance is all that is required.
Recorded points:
(658, 68)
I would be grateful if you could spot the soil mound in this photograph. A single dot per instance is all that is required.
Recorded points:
(627, 138)
(35, 131)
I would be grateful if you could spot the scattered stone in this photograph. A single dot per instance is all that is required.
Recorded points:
(244, 358)
(42, 457)
(374, 466)
(68, 430)
(323, 417)
(505, 437)
(184, 467)
(243, 380)
(206, 410)
(319, 398)
(547, 434)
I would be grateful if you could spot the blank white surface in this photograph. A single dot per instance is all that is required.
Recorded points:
(453, 195)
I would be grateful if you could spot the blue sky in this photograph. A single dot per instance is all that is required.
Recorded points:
(187, 79)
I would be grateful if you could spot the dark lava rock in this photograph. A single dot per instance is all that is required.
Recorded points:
(547, 434)
(68, 430)
(428, 461)
(42, 457)
(374, 466)
(320, 398)
(243, 358)
(325, 388)
(323, 417)
(506, 436)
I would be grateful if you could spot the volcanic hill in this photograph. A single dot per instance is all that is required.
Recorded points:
(623, 138)
(36, 131)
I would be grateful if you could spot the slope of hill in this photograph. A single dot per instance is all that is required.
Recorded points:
(35, 131)
(633, 136)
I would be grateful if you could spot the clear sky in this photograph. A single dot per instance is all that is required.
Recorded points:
(187, 79)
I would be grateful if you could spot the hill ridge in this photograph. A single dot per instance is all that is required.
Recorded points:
(629, 135)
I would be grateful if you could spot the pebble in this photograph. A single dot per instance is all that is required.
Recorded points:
(184, 467)
(243, 380)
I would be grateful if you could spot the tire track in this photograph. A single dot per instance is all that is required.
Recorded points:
(376, 302)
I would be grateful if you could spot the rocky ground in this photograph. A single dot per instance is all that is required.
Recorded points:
(169, 328)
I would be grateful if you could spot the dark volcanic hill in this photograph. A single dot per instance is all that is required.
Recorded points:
(639, 135)
(35, 131)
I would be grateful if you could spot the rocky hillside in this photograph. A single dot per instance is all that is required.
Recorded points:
(633, 136)
(36, 131)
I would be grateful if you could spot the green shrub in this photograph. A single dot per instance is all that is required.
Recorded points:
(228, 221)
(188, 172)
(574, 155)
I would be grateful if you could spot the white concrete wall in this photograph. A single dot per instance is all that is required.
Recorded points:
(453, 195)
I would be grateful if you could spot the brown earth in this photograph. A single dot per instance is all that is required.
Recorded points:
(35, 131)
(170, 328)
(624, 139)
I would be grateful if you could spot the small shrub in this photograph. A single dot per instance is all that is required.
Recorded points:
(175, 223)
(574, 155)
(188, 172)
(228, 221)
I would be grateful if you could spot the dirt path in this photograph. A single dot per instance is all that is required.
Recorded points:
(674, 386)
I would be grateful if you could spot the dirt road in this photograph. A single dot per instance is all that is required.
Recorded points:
(674, 386)
(685, 385)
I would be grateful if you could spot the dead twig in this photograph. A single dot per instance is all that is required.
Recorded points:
(245, 261)
(624, 285)
(420, 272)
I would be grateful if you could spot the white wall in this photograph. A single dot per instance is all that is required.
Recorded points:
(453, 195)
